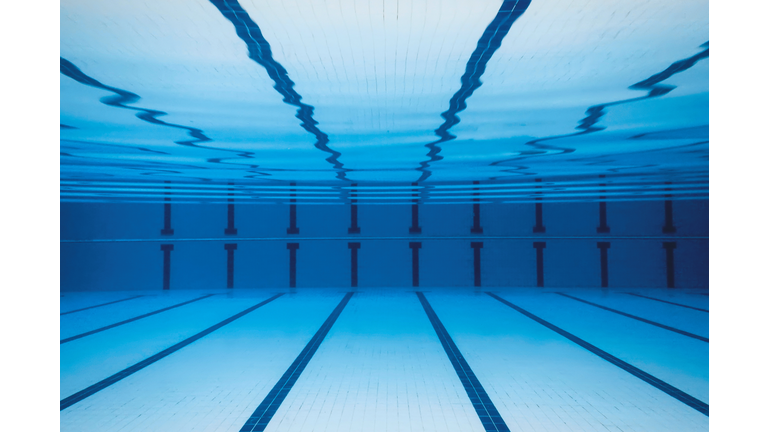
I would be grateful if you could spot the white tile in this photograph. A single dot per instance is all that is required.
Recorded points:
(381, 366)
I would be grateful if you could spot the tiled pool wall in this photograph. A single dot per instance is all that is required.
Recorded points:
(129, 246)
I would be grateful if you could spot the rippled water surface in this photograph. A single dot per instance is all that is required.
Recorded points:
(386, 101)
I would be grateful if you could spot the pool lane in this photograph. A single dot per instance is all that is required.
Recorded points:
(73, 300)
(100, 305)
(132, 319)
(667, 301)
(261, 417)
(117, 377)
(635, 317)
(689, 320)
(81, 322)
(695, 298)
(486, 411)
(215, 383)
(87, 361)
(381, 368)
(650, 379)
(540, 380)
(680, 361)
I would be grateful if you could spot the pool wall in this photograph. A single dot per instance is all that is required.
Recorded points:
(125, 246)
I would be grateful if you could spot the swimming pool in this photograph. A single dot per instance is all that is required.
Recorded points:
(384, 215)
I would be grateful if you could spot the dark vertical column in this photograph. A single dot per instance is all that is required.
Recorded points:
(539, 227)
(353, 247)
(167, 230)
(476, 228)
(292, 266)
(539, 262)
(231, 230)
(292, 229)
(476, 246)
(604, 246)
(166, 248)
(670, 249)
(415, 246)
(669, 226)
(353, 228)
(415, 228)
(230, 248)
(603, 228)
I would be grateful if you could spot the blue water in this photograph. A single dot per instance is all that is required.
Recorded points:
(230, 260)
(381, 366)
(383, 95)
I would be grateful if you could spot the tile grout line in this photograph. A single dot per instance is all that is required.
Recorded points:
(676, 393)
(101, 385)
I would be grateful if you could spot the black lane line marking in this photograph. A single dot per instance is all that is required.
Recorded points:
(353, 228)
(603, 228)
(665, 327)
(101, 385)
(354, 246)
(260, 51)
(414, 228)
(292, 264)
(167, 230)
(230, 248)
(82, 335)
(540, 262)
(664, 301)
(268, 407)
(100, 305)
(476, 228)
(650, 379)
(489, 416)
(292, 228)
(166, 248)
(604, 246)
(415, 246)
(476, 246)
(487, 45)
(669, 226)
(669, 247)
(539, 227)
(230, 229)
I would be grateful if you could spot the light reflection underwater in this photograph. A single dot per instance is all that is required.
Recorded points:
(389, 215)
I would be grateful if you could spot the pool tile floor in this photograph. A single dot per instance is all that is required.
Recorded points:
(381, 365)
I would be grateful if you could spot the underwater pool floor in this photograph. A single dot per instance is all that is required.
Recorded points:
(379, 359)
